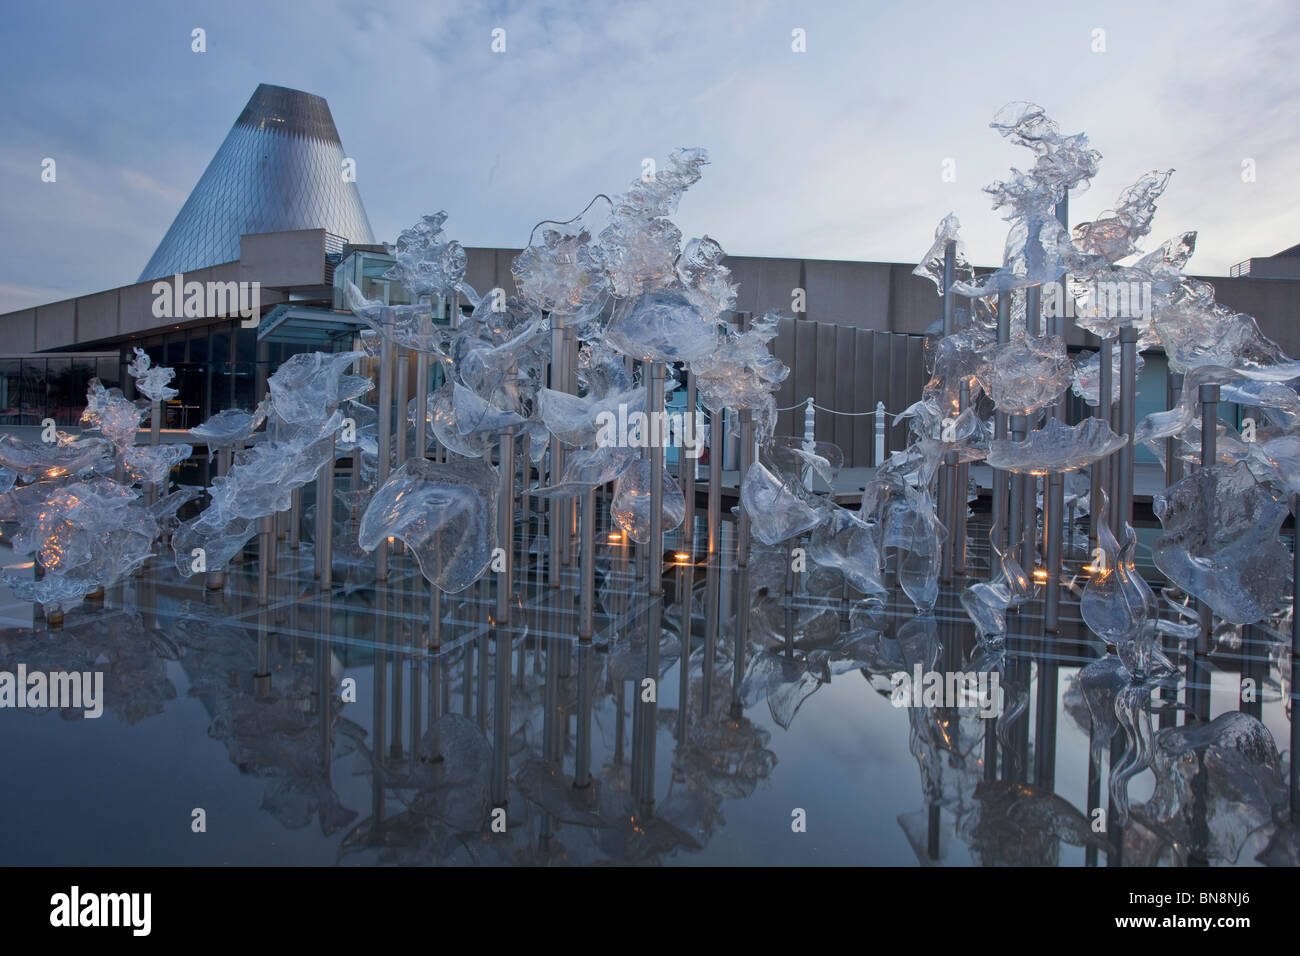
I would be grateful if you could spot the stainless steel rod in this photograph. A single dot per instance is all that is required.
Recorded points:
(1295, 659)
(1100, 470)
(1128, 406)
(947, 472)
(385, 441)
(1001, 486)
(1209, 399)
(655, 552)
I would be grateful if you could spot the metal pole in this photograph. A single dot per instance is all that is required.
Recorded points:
(1100, 469)
(686, 566)
(155, 438)
(1295, 659)
(1045, 723)
(1053, 519)
(266, 541)
(1029, 512)
(587, 595)
(506, 525)
(526, 513)
(327, 518)
(686, 465)
(403, 361)
(742, 568)
(385, 441)
(947, 474)
(947, 513)
(1016, 498)
(1033, 315)
(961, 490)
(655, 552)
(1128, 405)
(1209, 398)
(879, 450)
(582, 747)
(1173, 464)
(716, 420)
(501, 715)
(422, 392)
(318, 535)
(295, 518)
(559, 382)
(215, 580)
(1054, 486)
(571, 532)
(998, 533)
(712, 584)
(586, 627)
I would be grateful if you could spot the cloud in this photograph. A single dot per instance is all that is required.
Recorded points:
(15, 297)
(831, 153)
(147, 184)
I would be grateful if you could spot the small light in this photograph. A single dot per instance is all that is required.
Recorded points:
(615, 537)
(1040, 574)
(682, 556)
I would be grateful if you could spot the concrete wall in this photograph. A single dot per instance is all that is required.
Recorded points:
(278, 261)
(18, 331)
(886, 297)
(283, 259)
(490, 269)
(1275, 304)
(879, 296)
(56, 324)
(1275, 267)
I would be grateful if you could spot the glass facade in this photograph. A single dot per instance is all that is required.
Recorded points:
(36, 387)
(280, 168)
(217, 366)
(366, 271)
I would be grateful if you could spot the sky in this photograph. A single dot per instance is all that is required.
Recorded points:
(853, 148)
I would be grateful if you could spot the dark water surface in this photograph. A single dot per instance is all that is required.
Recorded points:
(290, 726)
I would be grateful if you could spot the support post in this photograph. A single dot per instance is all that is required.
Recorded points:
(947, 471)
(1209, 398)
(879, 458)
(1173, 464)
(1100, 470)
(712, 572)
(1001, 485)
(655, 552)
(1128, 405)
(326, 508)
(809, 440)
(556, 532)
(265, 541)
(385, 440)
(422, 392)
(743, 596)
(1295, 659)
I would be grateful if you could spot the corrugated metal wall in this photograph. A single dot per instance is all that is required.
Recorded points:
(849, 370)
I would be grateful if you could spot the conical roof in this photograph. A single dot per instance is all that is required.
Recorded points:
(280, 168)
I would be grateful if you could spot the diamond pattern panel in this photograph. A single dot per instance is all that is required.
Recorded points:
(280, 168)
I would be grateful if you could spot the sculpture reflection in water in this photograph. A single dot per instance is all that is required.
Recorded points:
(494, 535)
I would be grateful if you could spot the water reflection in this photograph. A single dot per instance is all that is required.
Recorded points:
(406, 728)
